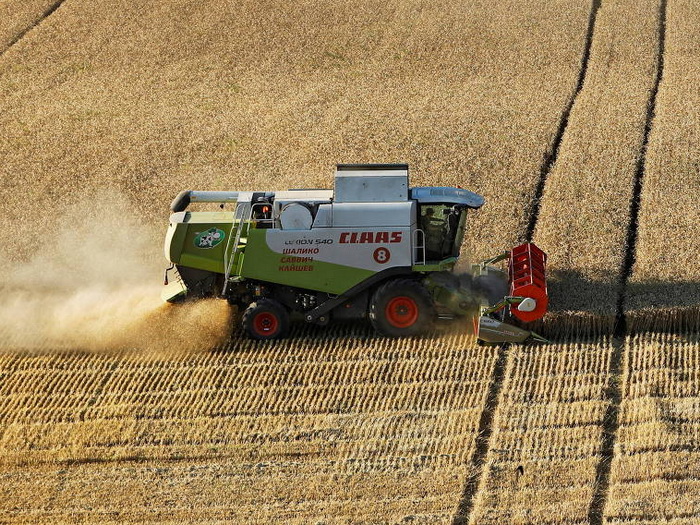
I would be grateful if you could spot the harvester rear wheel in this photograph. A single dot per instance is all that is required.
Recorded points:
(401, 307)
(265, 319)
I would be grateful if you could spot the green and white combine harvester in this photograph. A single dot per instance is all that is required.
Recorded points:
(371, 248)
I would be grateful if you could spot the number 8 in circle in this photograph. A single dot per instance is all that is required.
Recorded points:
(382, 255)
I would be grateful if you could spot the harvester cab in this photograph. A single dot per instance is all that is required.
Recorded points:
(372, 247)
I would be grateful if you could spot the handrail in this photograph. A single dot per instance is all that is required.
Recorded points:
(238, 218)
(418, 246)
(264, 220)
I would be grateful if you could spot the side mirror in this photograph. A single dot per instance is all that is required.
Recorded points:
(527, 305)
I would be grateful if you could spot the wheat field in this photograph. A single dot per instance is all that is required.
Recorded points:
(664, 273)
(548, 424)
(578, 122)
(585, 205)
(341, 425)
(254, 105)
(17, 17)
(654, 471)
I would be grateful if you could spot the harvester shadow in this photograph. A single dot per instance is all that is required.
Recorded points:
(581, 307)
(570, 290)
(342, 332)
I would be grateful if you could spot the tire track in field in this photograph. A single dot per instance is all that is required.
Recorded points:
(613, 393)
(614, 388)
(481, 448)
(630, 255)
(472, 484)
(47, 13)
(552, 152)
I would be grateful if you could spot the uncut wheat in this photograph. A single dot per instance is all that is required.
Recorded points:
(664, 285)
(268, 95)
(17, 17)
(585, 211)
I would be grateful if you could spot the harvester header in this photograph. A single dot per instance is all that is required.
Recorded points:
(373, 247)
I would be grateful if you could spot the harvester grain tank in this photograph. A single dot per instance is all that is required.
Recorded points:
(373, 247)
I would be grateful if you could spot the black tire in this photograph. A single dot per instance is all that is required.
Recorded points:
(265, 319)
(400, 308)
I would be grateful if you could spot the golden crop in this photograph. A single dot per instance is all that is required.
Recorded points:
(663, 286)
(17, 17)
(114, 408)
(585, 210)
(156, 98)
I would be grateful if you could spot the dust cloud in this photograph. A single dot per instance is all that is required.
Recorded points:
(94, 284)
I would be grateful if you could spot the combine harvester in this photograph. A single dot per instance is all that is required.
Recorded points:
(373, 247)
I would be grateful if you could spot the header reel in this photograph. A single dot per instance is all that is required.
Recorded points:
(526, 301)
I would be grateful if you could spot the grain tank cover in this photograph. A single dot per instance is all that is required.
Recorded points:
(371, 183)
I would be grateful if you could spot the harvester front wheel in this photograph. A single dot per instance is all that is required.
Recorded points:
(265, 319)
(401, 307)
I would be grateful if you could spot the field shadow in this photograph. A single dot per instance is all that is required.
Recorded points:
(580, 305)
(342, 332)
(581, 309)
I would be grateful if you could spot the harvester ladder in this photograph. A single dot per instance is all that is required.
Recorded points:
(243, 214)
(418, 246)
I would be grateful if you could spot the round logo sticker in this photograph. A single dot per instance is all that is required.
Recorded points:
(382, 255)
(210, 238)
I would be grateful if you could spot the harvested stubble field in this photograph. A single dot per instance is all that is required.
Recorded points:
(338, 424)
(576, 119)
(654, 473)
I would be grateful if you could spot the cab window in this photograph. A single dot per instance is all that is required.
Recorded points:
(443, 226)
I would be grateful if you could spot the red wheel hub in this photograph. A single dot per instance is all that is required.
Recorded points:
(401, 311)
(265, 323)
